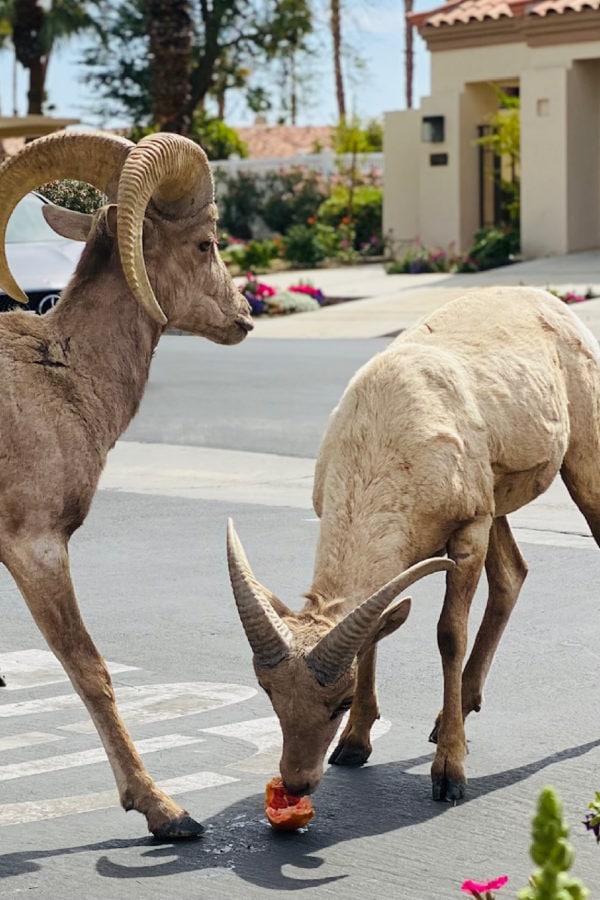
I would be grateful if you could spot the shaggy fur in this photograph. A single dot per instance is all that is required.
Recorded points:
(71, 382)
(464, 418)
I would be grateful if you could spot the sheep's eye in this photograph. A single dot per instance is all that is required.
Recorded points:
(205, 245)
(342, 708)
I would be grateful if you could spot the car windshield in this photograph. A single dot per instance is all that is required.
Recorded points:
(27, 224)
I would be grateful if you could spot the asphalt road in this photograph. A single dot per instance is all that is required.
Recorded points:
(149, 568)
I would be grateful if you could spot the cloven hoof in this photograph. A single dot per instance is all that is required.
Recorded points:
(345, 755)
(183, 829)
(447, 790)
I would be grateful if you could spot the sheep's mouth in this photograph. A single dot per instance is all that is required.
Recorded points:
(233, 334)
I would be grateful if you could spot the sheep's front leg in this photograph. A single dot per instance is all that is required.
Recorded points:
(468, 548)
(41, 571)
(354, 746)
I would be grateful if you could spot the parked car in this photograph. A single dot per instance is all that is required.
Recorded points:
(41, 260)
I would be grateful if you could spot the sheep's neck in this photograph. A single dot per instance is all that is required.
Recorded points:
(108, 341)
(354, 561)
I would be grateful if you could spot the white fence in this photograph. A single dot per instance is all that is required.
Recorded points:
(327, 163)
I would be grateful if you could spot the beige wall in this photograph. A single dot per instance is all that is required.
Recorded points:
(544, 161)
(401, 176)
(560, 147)
(583, 155)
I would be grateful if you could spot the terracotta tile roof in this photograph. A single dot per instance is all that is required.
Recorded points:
(275, 141)
(463, 11)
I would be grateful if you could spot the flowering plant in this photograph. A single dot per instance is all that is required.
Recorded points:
(256, 292)
(313, 292)
(483, 891)
(265, 299)
(592, 818)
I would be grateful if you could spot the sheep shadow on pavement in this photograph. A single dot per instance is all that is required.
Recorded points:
(384, 798)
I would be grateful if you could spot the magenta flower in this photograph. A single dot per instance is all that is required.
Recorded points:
(476, 888)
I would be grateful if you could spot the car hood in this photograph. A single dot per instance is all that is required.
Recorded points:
(45, 264)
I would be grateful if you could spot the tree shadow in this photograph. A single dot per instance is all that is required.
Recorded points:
(351, 804)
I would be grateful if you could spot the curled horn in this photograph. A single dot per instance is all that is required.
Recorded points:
(93, 157)
(267, 633)
(172, 171)
(336, 650)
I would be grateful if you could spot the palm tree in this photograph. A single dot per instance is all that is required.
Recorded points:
(35, 29)
(336, 34)
(409, 57)
(171, 34)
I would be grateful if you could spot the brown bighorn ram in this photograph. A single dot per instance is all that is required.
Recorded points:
(467, 416)
(73, 379)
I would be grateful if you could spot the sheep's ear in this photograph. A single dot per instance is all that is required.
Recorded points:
(391, 619)
(109, 223)
(69, 224)
(110, 219)
(278, 605)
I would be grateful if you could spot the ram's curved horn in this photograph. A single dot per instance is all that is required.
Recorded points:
(172, 171)
(336, 650)
(93, 157)
(267, 633)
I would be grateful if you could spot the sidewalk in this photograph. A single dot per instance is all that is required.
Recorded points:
(386, 304)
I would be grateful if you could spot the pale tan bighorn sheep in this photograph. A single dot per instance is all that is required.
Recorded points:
(467, 416)
(73, 379)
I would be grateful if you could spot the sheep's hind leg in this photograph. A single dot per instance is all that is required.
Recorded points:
(41, 571)
(354, 746)
(506, 571)
(580, 475)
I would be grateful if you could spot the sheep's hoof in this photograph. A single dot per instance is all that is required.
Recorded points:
(347, 755)
(182, 829)
(2, 681)
(447, 790)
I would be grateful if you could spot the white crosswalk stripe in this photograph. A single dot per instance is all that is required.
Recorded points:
(36, 668)
(90, 757)
(39, 810)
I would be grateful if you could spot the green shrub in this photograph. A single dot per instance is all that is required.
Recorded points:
(301, 246)
(354, 137)
(75, 195)
(219, 141)
(365, 214)
(239, 202)
(291, 197)
(492, 247)
(416, 259)
(257, 255)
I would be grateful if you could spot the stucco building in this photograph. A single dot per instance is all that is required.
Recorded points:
(548, 53)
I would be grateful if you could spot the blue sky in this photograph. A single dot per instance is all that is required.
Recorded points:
(376, 35)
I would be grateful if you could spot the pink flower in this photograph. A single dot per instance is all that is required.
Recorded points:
(476, 887)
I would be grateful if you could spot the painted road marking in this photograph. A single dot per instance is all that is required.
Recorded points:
(27, 739)
(35, 668)
(265, 735)
(144, 703)
(40, 810)
(159, 702)
(90, 757)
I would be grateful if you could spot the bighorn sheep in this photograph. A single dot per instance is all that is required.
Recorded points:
(73, 379)
(466, 417)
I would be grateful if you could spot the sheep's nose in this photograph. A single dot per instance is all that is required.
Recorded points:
(245, 323)
(298, 790)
